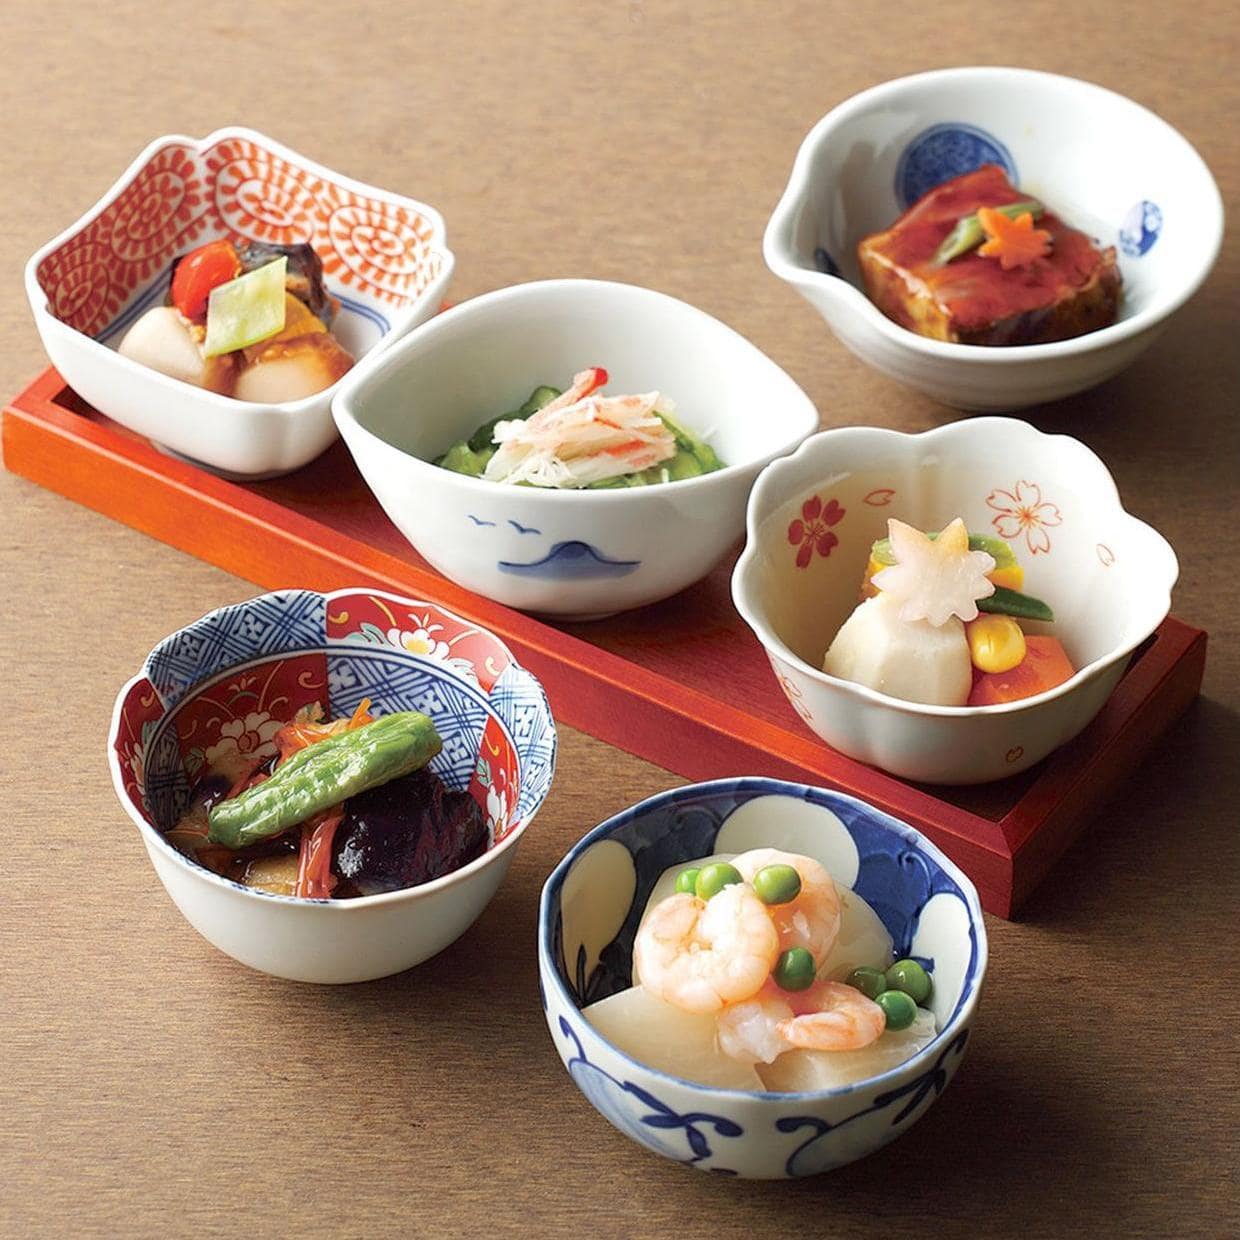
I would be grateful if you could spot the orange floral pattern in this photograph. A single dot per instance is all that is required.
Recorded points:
(381, 247)
(1022, 510)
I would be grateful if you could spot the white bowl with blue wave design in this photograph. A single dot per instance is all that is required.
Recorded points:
(1103, 163)
(590, 909)
(230, 679)
(385, 260)
(572, 553)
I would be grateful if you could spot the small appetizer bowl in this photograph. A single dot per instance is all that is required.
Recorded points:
(1136, 184)
(384, 259)
(813, 517)
(232, 678)
(590, 910)
(571, 553)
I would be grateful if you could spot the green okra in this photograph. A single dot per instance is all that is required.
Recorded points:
(968, 234)
(325, 774)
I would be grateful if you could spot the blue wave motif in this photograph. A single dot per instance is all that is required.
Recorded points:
(571, 561)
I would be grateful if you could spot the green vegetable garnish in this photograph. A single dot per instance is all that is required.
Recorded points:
(968, 234)
(794, 970)
(996, 548)
(712, 879)
(246, 310)
(910, 977)
(899, 1009)
(1005, 602)
(686, 882)
(777, 884)
(323, 775)
(871, 982)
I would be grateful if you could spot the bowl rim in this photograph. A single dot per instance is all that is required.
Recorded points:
(372, 369)
(176, 387)
(763, 500)
(768, 785)
(154, 838)
(777, 249)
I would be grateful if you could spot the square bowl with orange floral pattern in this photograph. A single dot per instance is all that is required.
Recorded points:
(384, 256)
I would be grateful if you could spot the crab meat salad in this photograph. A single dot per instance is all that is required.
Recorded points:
(251, 321)
(346, 808)
(581, 438)
(942, 622)
(757, 971)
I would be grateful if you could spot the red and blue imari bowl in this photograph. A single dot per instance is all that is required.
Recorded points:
(231, 679)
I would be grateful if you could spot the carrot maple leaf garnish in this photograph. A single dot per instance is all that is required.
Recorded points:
(1015, 243)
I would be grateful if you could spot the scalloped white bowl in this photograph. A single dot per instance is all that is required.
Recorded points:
(385, 259)
(1107, 575)
(1106, 164)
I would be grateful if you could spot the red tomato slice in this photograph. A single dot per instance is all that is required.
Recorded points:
(199, 272)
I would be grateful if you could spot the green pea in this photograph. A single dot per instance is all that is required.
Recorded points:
(686, 881)
(712, 879)
(777, 884)
(794, 970)
(871, 982)
(898, 1007)
(910, 977)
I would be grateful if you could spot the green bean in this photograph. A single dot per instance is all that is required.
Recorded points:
(968, 234)
(323, 775)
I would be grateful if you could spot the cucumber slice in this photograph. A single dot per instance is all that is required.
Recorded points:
(1005, 602)
(996, 548)
(462, 459)
(246, 310)
(539, 397)
(481, 438)
(692, 443)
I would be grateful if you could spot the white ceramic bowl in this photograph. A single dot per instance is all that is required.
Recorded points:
(813, 517)
(232, 678)
(567, 553)
(588, 917)
(384, 258)
(1104, 163)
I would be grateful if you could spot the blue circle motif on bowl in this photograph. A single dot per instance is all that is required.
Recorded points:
(1140, 228)
(945, 151)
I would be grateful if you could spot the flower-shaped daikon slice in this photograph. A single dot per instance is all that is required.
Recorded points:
(935, 578)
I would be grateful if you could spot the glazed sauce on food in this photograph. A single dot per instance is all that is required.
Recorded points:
(971, 294)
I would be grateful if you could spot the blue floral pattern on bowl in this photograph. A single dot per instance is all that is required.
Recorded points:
(945, 151)
(1140, 228)
(929, 908)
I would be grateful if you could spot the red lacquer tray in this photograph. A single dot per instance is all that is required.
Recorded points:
(683, 684)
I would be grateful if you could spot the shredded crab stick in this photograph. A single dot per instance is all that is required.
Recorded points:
(583, 436)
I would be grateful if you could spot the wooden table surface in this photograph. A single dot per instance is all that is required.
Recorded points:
(152, 1086)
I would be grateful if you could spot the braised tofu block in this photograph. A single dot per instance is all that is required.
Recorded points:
(1072, 289)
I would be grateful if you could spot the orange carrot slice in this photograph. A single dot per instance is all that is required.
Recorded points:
(1015, 243)
(1045, 665)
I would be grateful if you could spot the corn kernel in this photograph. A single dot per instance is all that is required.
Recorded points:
(1010, 578)
(996, 643)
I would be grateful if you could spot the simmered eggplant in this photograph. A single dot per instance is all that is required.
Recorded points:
(406, 832)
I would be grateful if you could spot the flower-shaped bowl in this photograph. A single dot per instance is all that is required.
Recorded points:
(813, 517)
(384, 258)
(567, 553)
(591, 906)
(230, 680)
(1103, 162)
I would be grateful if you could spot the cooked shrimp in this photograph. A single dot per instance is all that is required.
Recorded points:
(812, 920)
(700, 955)
(749, 1031)
(582, 436)
(831, 1016)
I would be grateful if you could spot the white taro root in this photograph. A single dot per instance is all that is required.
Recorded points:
(909, 659)
(161, 340)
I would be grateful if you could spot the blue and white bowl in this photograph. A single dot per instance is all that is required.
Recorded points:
(591, 906)
(1104, 163)
(231, 679)
(575, 554)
